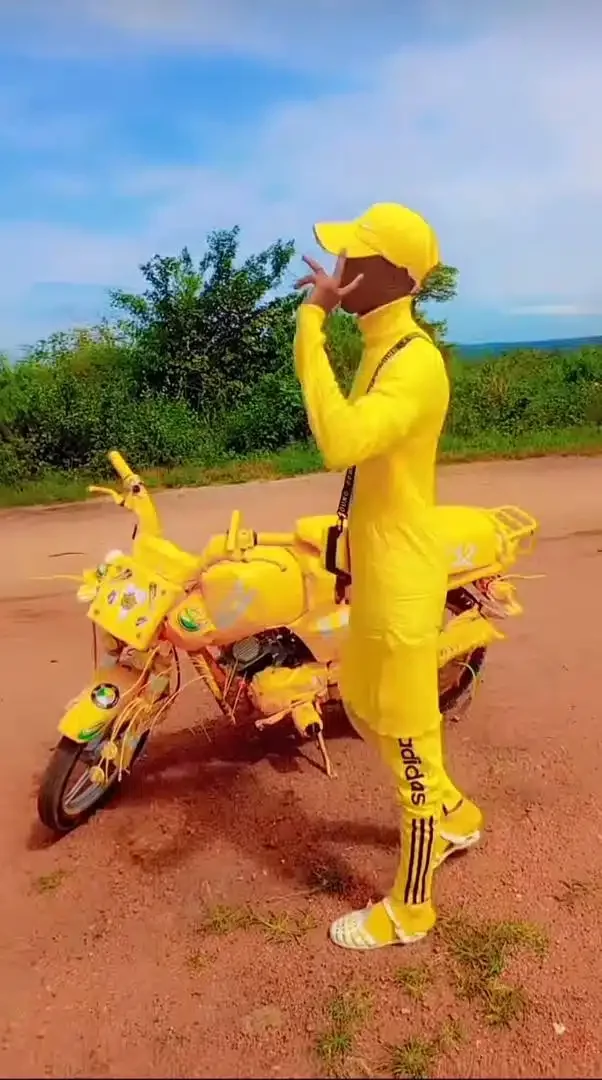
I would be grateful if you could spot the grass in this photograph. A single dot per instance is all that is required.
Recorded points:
(585, 441)
(480, 954)
(413, 1058)
(284, 927)
(416, 1057)
(504, 1004)
(329, 880)
(224, 919)
(452, 1034)
(197, 962)
(46, 883)
(415, 981)
(298, 460)
(279, 927)
(347, 1011)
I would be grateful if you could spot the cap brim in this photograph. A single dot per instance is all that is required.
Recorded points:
(337, 236)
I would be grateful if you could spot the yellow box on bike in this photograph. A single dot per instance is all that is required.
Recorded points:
(132, 602)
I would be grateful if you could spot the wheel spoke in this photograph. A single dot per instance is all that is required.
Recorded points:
(83, 793)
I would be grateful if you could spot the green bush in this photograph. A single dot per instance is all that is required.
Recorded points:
(525, 391)
(271, 417)
(72, 400)
(200, 368)
(65, 411)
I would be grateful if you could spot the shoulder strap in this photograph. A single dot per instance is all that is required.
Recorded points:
(349, 481)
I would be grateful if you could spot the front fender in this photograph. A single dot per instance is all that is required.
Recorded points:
(99, 703)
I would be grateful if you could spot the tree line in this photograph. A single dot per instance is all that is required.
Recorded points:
(197, 367)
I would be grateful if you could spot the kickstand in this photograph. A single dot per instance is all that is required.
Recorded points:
(325, 757)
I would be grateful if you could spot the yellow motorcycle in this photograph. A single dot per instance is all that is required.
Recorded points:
(261, 620)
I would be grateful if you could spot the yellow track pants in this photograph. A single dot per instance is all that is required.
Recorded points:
(424, 791)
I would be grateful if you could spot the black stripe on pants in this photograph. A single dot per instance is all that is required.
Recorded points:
(422, 839)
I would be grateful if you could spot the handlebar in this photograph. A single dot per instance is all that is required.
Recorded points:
(275, 539)
(136, 498)
(121, 466)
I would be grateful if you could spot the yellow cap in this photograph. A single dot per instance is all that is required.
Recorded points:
(399, 235)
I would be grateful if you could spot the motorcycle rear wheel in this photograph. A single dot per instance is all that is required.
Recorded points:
(460, 676)
(62, 807)
(453, 691)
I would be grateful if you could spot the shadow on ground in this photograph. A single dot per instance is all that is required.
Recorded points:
(219, 790)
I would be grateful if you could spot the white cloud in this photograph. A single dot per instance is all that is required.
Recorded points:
(498, 140)
(336, 34)
(559, 310)
(494, 133)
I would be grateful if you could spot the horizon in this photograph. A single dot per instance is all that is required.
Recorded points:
(556, 343)
(532, 342)
(136, 127)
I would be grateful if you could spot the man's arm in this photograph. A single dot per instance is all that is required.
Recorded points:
(350, 433)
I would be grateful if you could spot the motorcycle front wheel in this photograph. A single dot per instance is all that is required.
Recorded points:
(68, 795)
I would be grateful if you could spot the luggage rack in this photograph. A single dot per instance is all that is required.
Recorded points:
(515, 529)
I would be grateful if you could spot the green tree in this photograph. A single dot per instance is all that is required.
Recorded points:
(205, 333)
(439, 287)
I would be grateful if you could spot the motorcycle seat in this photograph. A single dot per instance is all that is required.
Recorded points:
(312, 530)
(471, 537)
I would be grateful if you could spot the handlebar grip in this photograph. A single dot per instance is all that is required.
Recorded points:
(120, 465)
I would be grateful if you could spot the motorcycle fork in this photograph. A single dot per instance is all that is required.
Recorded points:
(208, 669)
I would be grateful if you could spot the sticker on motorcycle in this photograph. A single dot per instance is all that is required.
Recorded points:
(234, 605)
(87, 734)
(190, 620)
(330, 624)
(463, 557)
(105, 695)
(131, 598)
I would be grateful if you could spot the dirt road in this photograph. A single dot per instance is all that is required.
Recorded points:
(106, 969)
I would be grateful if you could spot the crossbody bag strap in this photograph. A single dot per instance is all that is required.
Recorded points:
(343, 578)
(349, 481)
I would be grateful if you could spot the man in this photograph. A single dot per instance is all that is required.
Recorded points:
(390, 431)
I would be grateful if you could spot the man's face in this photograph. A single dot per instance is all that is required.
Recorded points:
(381, 284)
(361, 299)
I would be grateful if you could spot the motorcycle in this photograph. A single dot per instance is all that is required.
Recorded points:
(262, 624)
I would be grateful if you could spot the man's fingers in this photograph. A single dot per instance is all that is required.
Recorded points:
(351, 286)
(313, 265)
(302, 282)
(339, 267)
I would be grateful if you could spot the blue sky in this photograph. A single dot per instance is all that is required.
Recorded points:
(129, 127)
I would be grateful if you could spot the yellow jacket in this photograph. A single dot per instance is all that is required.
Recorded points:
(391, 434)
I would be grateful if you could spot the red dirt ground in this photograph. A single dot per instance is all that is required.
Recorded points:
(104, 970)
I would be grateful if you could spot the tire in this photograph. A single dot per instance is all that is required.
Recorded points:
(52, 808)
(471, 670)
(471, 664)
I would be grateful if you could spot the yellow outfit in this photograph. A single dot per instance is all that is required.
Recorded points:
(389, 673)
(389, 667)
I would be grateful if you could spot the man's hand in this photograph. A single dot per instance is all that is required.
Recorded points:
(327, 291)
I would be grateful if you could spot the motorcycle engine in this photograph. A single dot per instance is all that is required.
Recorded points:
(277, 648)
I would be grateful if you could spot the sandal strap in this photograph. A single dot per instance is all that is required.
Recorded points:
(401, 934)
(350, 930)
